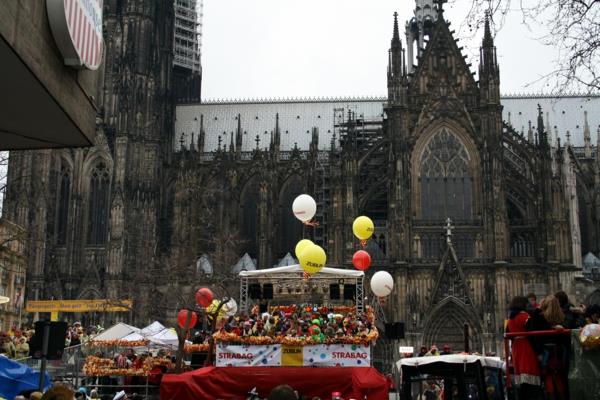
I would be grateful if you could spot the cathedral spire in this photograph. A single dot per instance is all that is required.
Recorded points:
(277, 141)
(201, 134)
(587, 138)
(488, 41)
(395, 63)
(541, 131)
(440, 8)
(396, 37)
(238, 135)
(530, 133)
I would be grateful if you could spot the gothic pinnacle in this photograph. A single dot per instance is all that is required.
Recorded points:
(396, 37)
(440, 8)
(487, 35)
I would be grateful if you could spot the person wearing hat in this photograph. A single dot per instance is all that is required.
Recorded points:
(120, 396)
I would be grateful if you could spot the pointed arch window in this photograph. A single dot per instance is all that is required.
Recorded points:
(98, 205)
(62, 212)
(249, 209)
(446, 182)
(290, 231)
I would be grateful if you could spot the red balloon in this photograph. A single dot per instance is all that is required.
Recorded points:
(182, 316)
(312, 329)
(204, 297)
(361, 260)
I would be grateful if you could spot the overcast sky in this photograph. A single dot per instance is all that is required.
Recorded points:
(290, 48)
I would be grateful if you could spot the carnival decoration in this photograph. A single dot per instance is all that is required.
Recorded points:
(119, 343)
(361, 260)
(301, 246)
(382, 283)
(182, 317)
(232, 338)
(97, 366)
(363, 229)
(590, 336)
(304, 208)
(204, 296)
(230, 308)
(313, 259)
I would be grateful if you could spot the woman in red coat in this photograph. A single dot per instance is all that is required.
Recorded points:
(524, 360)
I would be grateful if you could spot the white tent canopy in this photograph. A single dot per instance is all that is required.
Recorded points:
(117, 332)
(289, 269)
(166, 337)
(153, 329)
(156, 333)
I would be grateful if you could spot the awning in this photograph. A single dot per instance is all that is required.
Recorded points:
(236, 382)
(117, 332)
(491, 362)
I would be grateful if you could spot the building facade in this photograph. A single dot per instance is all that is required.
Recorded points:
(159, 207)
(35, 77)
(13, 267)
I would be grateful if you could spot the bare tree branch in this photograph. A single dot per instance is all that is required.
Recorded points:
(572, 28)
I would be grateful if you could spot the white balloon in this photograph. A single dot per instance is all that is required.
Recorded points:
(230, 307)
(382, 283)
(304, 207)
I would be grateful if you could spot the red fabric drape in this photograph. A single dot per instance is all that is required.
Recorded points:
(235, 382)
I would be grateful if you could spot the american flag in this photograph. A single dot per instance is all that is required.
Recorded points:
(86, 35)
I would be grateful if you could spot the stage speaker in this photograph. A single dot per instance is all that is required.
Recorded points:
(394, 330)
(198, 359)
(254, 291)
(349, 292)
(334, 291)
(56, 340)
(267, 291)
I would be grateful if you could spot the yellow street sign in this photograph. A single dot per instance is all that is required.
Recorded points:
(103, 305)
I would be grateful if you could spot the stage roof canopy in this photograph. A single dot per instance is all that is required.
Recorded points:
(292, 270)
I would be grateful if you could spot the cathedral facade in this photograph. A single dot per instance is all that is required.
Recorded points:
(473, 201)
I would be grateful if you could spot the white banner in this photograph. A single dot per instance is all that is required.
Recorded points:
(335, 355)
(248, 355)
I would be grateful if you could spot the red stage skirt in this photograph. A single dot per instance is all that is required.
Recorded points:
(235, 382)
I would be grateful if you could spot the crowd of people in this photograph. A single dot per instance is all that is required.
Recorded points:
(318, 323)
(541, 362)
(15, 343)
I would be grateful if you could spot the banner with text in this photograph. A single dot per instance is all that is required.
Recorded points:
(335, 355)
(248, 355)
(338, 355)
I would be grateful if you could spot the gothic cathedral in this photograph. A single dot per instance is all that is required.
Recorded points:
(469, 212)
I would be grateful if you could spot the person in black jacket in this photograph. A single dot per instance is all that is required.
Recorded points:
(573, 316)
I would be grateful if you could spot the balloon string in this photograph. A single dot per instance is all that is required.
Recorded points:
(363, 243)
(313, 222)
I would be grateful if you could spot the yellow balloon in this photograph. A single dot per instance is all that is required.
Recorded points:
(313, 259)
(363, 227)
(301, 246)
(213, 307)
